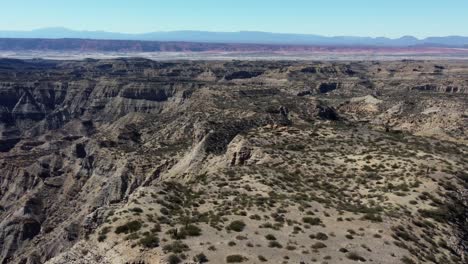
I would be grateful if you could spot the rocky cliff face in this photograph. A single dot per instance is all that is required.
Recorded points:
(87, 147)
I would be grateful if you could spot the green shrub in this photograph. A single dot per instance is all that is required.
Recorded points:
(319, 245)
(132, 236)
(156, 228)
(401, 232)
(103, 234)
(321, 236)
(200, 258)
(176, 247)
(129, 227)
(102, 237)
(192, 230)
(149, 241)
(372, 217)
(355, 256)
(290, 247)
(274, 244)
(176, 233)
(212, 248)
(136, 210)
(255, 217)
(235, 259)
(312, 220)
(174, 259)
(237, 226)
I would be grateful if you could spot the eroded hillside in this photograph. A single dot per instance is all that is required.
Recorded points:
(137, 161)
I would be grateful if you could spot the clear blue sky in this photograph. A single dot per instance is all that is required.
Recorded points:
(392, 18)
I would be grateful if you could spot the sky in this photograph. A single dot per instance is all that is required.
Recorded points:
(388, 18)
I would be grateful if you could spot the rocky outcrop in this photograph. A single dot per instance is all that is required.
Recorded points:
(440, 88)
(242, 75)
(20, 228)
(144, 92)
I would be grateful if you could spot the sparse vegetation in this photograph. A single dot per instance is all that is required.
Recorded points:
(274, 173)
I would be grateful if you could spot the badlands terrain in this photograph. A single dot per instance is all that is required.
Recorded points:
(143, 162)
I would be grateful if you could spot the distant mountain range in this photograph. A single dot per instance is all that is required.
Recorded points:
(246, 37)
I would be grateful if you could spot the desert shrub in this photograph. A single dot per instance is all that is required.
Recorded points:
(297, 229)
(149, 241)
(312, 220)
(237, 226)
(255, 217)
(241, 237)
(182, 233)
(200, 258)
(176, 233)
(274, 244)
(440, 215)
(401, 232)
(102, 237)
(321, 236)
(372, 217)
(355, 256)
(176, 247)
(212, 248)
(103, 234)
(132, 236)
(290, 247)
(129, 227)
(164, 211)
(174, 259)
(406, 260)
(270, 237)
(319, 245)
(156, 228)
(192, 230)
(295, 147)
(136, 210)
(235, 259)
(262, 258)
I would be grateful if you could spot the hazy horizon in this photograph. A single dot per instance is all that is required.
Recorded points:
(58, 28)
(366, 18)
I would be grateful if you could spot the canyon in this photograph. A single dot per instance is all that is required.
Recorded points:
(130, 160)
